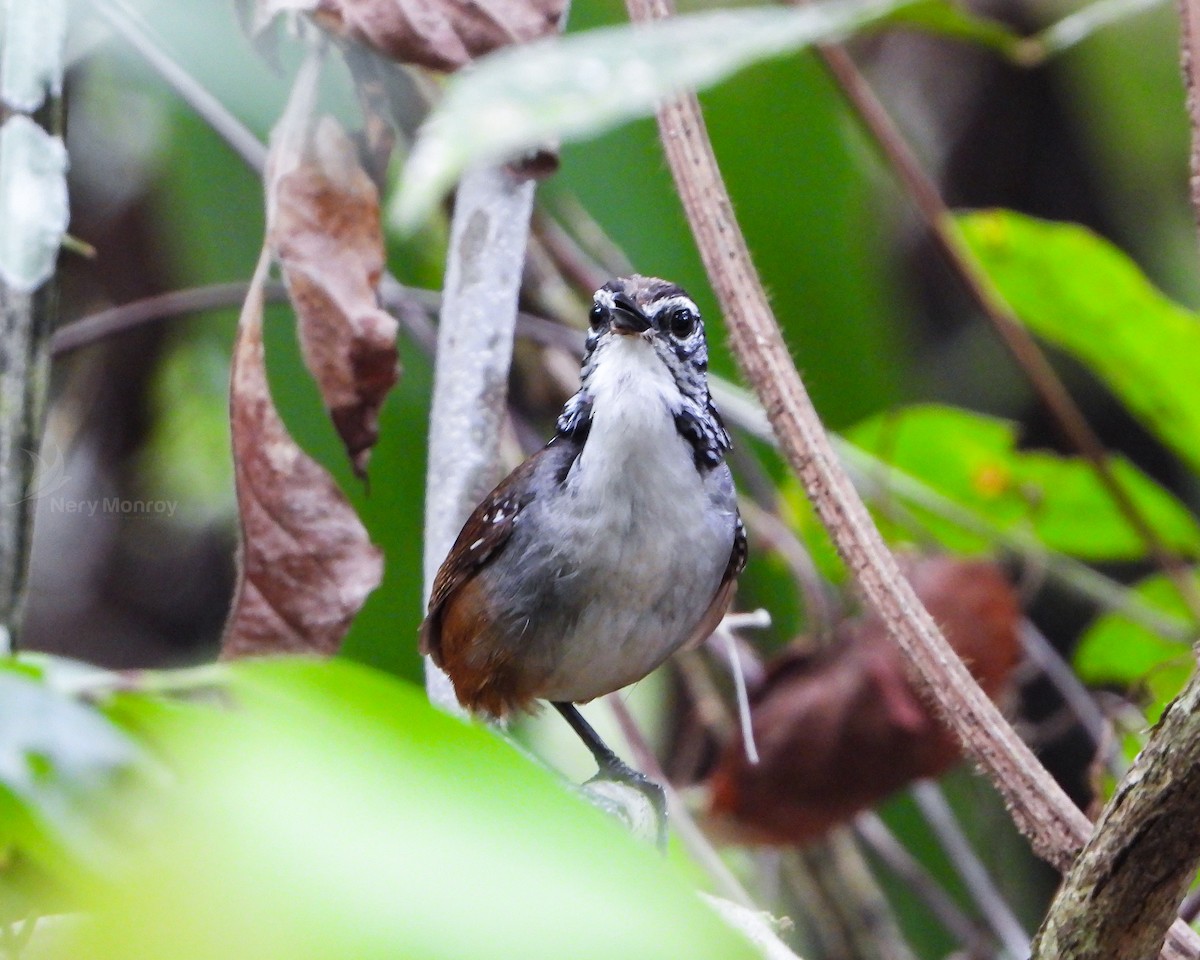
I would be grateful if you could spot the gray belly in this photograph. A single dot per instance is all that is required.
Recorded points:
(606, 591)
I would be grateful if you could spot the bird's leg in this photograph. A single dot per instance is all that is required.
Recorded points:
(613, 767)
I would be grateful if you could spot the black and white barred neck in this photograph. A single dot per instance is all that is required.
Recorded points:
(672, 324)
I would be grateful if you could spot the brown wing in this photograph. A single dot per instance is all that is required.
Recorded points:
(724, 595)
(485, 534)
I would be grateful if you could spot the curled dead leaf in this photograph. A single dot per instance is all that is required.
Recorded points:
(441, 34)
(324, 230)
(841, 728)
(306, 563)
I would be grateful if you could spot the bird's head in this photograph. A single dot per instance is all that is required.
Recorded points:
(660, 322)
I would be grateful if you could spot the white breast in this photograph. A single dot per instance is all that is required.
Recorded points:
(638, 529)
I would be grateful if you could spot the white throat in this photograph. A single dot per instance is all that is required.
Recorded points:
(634, 402)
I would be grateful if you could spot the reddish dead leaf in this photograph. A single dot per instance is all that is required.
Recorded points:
(324, 231)
(442, 34)
(306, 563)
(841, 728)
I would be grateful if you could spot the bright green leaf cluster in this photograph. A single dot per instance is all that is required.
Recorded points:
(1117, 650)
(974, 461)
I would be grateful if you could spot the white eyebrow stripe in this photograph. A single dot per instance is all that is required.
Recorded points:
(604, 298)
(675, 302)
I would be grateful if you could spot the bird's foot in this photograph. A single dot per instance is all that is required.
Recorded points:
(615, 771)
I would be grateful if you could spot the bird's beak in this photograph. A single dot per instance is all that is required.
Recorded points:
(627, 321)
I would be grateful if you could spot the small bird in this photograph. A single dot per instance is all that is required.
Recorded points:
(612, 547)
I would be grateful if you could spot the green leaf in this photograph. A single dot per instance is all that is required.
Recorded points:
(566, 88)
(333, 813)
(1086, 297)
(1115, 649)
(973, 460)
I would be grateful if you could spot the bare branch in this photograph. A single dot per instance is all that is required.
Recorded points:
(992, 906)
(475, 337)
(1041, 809)
(1121, 895)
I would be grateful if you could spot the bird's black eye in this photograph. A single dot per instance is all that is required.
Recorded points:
(683, 322)
(596, 315)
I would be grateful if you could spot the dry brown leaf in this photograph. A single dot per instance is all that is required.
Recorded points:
(306, 563)
(324, 230)
(839, 729)
(442, 34)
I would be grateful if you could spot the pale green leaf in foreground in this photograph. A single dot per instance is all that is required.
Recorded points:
(1086, 297)
(973, 460)
(332, 813)
(565, 88)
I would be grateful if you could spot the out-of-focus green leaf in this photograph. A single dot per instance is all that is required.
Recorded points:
(57, 757)
(1086, 297)
(973, 460)
(1114, 649)
(569, 87)
(332, 813)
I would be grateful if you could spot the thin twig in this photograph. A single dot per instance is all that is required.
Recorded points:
(235, 133)
(845, 910)
(1043, 655)
(895, 856)
(1041, 809)
(992, 906)
(411, 305)
(1020, 343)
(129, 316)
(879, 481)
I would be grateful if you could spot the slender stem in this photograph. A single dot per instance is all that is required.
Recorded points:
(841, 901)
(894, 855)
(1039, 806)
(129, 316)
(1042, 654)
(992, 906)
(28, 293)
(1020, 343)
(235, 133)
